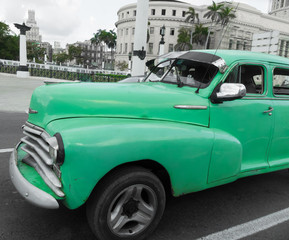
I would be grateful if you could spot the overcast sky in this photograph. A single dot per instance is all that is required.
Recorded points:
(68, 21)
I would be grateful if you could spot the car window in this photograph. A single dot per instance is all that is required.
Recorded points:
(252, 76)
(281, 81)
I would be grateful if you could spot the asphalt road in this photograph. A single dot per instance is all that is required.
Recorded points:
(186, 218)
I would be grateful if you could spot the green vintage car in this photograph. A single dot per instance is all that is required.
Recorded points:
(200, 119)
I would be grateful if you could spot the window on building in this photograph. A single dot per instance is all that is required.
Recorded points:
(184, 13)
(134, 13)
(151, 48)
(239, 44)
(122, 15)
(286, 49)
(132, 47)
(244, 46)
(127, 13)
(281, 46)
(125, 48)
(126, 31)
(171, 47)
(163, 12)
(120, 48)
(153, 12)
(121, 32)
(174, 12)
(133, 30)
(172, 31)
(152, 30)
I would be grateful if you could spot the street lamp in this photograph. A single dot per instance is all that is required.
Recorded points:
(162, 42)
(129, 62)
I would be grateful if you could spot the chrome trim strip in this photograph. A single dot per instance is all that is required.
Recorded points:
(41, 142)
(190, 107)
(31, 130)
(30, 161)
(48, 172)
(33, 144)
(31, 193)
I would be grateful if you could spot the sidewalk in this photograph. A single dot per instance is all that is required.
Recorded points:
(15, 93)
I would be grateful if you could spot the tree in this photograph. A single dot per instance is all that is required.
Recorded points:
(200, 34)
(104, 38)
(214, 14)
(122, 65)
(60, 58)
(111, 41)
(9, 44)
(184, 39)
(192, 16)
(227, 14)
(74, 52)
(34, 51)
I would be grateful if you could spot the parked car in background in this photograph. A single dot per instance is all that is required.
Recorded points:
(200, 119)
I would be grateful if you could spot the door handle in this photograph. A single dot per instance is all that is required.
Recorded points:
(271, 109)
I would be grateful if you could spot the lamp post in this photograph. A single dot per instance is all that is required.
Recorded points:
(129, 62)
(162, 42)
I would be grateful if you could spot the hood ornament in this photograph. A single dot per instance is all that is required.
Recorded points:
(31, 111)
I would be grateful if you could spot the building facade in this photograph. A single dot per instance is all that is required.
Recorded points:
(92, 55)
(172, 14)
(33, 33)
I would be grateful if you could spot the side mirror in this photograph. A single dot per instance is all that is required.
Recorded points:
(229, 92)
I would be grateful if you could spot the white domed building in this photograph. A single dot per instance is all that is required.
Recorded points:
(172, 15)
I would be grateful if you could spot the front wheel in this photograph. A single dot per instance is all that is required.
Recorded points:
(127, 205)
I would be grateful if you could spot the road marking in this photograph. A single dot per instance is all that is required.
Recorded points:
(6, 150)
(250, 228)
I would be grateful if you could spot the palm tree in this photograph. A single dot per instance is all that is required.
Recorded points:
(214, 14)
(97, 40)
(183, 40)
(110, 41)
(192, 17)
(200, 34)
(227, 14)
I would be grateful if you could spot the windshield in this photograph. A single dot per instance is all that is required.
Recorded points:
(183, 72)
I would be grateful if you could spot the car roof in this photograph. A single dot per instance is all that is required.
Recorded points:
(231, 56)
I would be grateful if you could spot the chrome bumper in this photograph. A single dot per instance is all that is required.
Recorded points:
(31, 193)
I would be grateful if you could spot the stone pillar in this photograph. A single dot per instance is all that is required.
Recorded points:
(22, 71)
(140, 37)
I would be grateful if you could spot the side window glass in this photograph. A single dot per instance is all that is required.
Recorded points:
(252, 76)
(281, 81)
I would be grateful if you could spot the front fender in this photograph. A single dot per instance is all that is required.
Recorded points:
(94, 146)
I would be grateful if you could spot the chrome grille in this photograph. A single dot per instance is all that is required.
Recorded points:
(36, 145)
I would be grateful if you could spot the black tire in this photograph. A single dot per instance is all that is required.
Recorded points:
(127, 205)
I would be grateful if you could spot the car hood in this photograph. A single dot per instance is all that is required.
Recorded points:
(158, 101)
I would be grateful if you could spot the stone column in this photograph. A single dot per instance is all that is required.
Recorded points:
(140, 37)
(22, 71)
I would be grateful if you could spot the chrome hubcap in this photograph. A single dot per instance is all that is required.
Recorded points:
(132, 210)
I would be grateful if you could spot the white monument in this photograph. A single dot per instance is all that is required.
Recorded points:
(22, 71)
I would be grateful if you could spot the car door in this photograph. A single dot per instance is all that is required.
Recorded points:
(279, 150)
(249, 120)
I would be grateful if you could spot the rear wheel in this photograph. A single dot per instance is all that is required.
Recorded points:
(127, 205)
